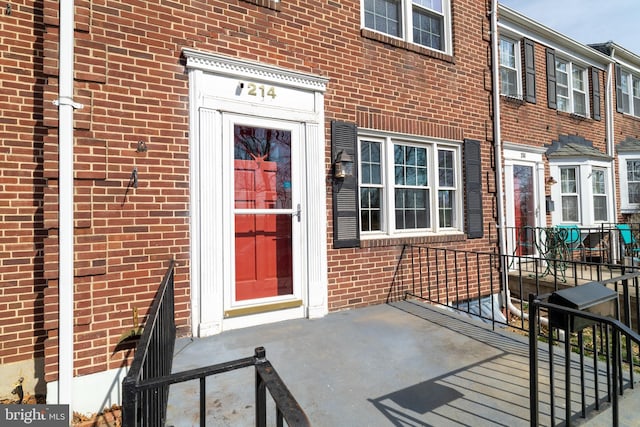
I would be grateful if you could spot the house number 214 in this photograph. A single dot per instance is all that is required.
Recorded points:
(261, 90)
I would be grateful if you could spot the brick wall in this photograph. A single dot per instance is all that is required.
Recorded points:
(22, 185)
(133, 84)
(624, 126)
(538, 125)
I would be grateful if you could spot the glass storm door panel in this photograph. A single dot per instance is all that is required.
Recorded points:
(263, 212)
(524, 209)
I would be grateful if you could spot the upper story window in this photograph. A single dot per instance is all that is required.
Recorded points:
(572, 87)
(628, 92)
(408, 186)
(510, 68)
(423, 22)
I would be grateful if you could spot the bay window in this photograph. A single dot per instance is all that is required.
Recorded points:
(583, 191)
(629, 182)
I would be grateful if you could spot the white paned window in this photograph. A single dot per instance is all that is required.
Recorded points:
(599, 187)
(629, 89)
(583, 192)
(572, 87)
(423, 22)
(510, 81)
(629, 182)
(570, 195)
(408, 186)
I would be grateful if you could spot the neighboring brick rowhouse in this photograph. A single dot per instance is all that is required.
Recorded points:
(130, 77)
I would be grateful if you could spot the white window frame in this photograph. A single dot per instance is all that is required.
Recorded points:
(572, 90)
(518, 67)
(599, 194)
(388, 219)
(584, 169)
(406, 22)
(625, 205)
(628, 79)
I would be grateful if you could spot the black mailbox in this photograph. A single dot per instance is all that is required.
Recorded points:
(592, 297)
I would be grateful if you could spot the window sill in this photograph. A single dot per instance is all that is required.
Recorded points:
(628, 210)
(383, 38)
(377, 242)
(269, 4)
(513, 100)
(628, 115)
(573, 116)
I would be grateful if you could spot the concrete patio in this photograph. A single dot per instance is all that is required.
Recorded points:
(398, 364)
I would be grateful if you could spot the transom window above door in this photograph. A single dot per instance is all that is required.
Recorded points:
(408, 186)
(423, 22)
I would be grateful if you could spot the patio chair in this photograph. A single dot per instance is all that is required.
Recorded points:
(630, 244)
(571, 238)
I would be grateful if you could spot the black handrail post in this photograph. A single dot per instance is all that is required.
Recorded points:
(533, 361)
(129, 402)
(261, 391)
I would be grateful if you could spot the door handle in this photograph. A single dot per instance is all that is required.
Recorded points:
(297, 212)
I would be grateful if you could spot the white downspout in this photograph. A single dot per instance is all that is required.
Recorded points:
(609, 122)
(65, 204)
(497, 145)
(497, 137)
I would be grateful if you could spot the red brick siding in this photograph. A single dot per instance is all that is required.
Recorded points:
(538, 125)
(624, 125)
(133, 84)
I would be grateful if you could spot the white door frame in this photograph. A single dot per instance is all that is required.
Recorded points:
(219, 86)
(519, 154)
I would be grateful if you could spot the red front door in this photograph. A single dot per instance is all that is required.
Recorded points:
(524, 209)
(263, 218)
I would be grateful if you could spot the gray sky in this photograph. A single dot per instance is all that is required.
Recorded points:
(587, 21)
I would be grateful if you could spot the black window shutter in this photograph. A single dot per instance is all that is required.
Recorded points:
(595, 95)
(619, 107)
(529, 71)
(551, 79)
(346, 224)
(473, 184)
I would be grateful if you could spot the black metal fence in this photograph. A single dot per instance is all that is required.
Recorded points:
(606, 243)
(483, 284)
(287, 408)
(588, 371)
(464, 280)
(153, 359)
(145, 390)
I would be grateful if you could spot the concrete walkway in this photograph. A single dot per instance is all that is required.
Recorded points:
(399, 364)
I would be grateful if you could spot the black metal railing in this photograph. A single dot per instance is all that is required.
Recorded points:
(482, 283)
(145, 389)
(463, 280)
(153, 359)
(589, 370)
(606, 243)
(287, 408)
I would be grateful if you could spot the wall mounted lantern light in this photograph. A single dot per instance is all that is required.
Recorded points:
(551, 180)
(343, 165)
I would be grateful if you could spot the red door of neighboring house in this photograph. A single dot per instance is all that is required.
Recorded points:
(524, 209)
(263, 213)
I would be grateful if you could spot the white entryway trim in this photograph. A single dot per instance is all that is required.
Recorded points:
(220, 85)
